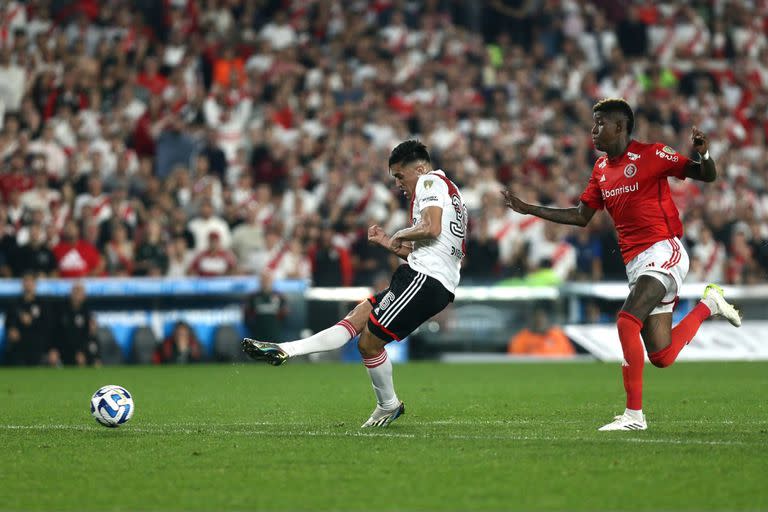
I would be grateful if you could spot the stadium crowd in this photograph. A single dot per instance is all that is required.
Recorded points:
(215, 137)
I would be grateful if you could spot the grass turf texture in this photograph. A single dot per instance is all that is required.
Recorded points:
(474, 437)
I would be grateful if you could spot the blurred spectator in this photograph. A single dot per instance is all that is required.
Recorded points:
(180, 347)
(207, 223)
(708, 258)
(211, 151)
(27, 327)
(151, 256)
(541, 338)
(293, 262)
(482, 253)
(35, 256)
(76, 257)
(118, 252)
(179, 257)
(265, 310)
(331, 263)
(213, 261)
(248, 239)
(552, 253)
(75, 341)
(41, 195)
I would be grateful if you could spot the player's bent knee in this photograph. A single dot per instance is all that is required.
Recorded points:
(369, 345)
(659, 361)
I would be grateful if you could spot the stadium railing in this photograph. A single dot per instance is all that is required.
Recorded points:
(480, 321)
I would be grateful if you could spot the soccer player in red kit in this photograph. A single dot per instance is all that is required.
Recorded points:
(630, 182)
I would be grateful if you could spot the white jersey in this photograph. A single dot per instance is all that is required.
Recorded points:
(440, 258)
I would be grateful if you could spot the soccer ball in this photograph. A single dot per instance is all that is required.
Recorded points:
(112, 406)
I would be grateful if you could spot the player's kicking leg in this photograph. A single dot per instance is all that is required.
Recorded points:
(332, 338)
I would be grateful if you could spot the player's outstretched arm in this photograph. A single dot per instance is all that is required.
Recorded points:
(704, 169)
(577, 216)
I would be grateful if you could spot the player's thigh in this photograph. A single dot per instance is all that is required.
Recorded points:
(645, 295)
(657, 332)
(358, 317)
(413, 301)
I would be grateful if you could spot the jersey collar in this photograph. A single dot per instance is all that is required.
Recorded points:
(630, 148)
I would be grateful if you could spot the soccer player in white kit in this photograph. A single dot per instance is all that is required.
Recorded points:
(433, 247)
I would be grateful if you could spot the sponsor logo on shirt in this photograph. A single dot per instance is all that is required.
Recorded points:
(632, 156)
(630, 170)
(624, 189)
(664, 154)
(430, 198)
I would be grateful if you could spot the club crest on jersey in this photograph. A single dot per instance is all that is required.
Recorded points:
(668, 150)
(602, 178)
(602, 164)
(386, 301)
(630, 170)
(428, 184)
(632, 156)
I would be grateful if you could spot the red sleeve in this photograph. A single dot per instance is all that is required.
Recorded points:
(674, 163)
(592, 196)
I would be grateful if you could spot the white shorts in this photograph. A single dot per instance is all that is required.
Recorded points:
(666, 261)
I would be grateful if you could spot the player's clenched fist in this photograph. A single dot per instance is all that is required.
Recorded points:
(377, 235)
(514, 202)
(700, 140)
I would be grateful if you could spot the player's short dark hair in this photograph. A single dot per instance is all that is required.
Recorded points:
(409, 151)
(618, 106)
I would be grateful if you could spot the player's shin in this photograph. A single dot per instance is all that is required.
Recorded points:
(380, 370)
(330, 339)
(629, 327)
(682, 333)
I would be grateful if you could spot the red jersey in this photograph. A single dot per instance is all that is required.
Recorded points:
(76, 260)
(633, 188)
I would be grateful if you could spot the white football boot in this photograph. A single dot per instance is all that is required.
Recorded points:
(626, 421)
(715, 300)
(383, 417)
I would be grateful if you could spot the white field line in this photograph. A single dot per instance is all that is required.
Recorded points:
(190, 429)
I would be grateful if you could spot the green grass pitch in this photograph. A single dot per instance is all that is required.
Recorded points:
(474, 437)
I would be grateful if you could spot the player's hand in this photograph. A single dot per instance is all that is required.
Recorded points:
(513, 202)
(395, 243)
(377, 235)
(699, 140)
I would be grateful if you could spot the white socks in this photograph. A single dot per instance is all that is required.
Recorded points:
(634, 414)
(380, 370)
(330, 339)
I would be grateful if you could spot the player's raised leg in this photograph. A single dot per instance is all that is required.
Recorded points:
(664, 343)
(388, 406)
(329, 339)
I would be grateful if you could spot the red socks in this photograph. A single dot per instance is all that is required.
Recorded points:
(682, 333)
(629, 334)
